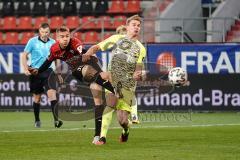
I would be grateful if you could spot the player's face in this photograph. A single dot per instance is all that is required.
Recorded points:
(44, 33)
(63, 38)
(133, 28)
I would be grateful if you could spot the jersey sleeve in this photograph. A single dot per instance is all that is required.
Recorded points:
(77, 45)
(109, 42)
(28, 48)
(142, 54)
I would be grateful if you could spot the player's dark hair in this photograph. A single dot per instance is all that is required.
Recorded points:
(44, 25)
(63, 28)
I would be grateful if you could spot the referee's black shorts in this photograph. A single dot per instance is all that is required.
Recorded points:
(43, 81)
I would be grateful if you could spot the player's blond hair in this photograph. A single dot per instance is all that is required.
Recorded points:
(134, 17)
(121, 29)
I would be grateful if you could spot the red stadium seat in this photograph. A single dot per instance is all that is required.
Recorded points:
(107, 35)
(25, 22)
(91, 37)
(235, 28)
(106, 20)
(1, 37)
(39, 20)
(88, 22)
(229, 38)
(78, 35)
(11, 38)
(9, 23)
(72, 22)
(56, 21)
(117, 6)
(119, 20)
(162, 6)
(237, 22)
(25, 37)
(133, 6)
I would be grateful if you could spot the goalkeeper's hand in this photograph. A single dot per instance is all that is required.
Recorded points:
(33, 71)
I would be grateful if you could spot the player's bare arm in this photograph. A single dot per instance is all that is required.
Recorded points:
(91, 51)
(24, 63)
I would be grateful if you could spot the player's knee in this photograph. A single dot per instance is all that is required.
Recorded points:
(105, 75)
(111, 100)
(51, 94)
(37, 98)
(123, 122)
(89, 73)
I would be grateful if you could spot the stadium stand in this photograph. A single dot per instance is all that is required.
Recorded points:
(234, 33)
(88, 22)
(72, 22)
(23, 8)
(105, 21)
(25, 36)
(224, 22)
(91, 37)
(78, 35)
(11, 38)
(38, 20)
(70, 8)
(117, 6)
(25, 16)
(1, 37)
(9, 23)
(101, 7)
(86, 8)
(133, 6)
(39, 8)
(54, 8)
(56, 21)
(25, 23)
(8, 9)
(119, 20)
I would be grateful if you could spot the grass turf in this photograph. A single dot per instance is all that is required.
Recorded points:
(191, 137)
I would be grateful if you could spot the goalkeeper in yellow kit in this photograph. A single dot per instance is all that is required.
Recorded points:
(125, 70)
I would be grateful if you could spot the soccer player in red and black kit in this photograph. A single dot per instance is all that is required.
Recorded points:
(70, 50)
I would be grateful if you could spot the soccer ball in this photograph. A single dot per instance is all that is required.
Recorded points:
(177, 76)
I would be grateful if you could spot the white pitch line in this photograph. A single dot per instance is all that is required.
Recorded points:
(135, 127)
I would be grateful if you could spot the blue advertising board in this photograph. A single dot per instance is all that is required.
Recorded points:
(195, 58)
(198, 58)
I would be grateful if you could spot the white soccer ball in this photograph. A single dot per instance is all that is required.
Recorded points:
(178, 77)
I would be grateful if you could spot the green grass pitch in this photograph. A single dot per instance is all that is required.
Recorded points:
(168, 136)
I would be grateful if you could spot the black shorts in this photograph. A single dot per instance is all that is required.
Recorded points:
(92, 62)
(45, 80)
